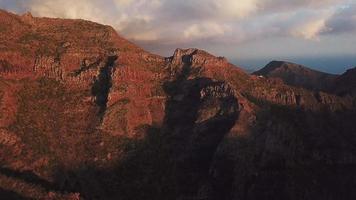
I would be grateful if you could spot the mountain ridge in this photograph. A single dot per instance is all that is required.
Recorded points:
(298, 75)
(345, 83)
(86, 114)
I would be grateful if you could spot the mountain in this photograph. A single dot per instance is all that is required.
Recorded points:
(346, 83)
(86, 114)
(298, 75)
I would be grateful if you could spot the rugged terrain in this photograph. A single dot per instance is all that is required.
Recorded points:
(86, 114)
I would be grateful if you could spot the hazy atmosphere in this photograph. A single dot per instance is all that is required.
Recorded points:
(317, 33)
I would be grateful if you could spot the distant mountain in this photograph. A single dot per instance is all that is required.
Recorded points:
(346, 83)
(298, 75)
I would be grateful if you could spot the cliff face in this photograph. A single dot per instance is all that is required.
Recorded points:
(85, 114)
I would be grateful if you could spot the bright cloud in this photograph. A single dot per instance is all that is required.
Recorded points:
(310, 30)
(66, 9)
(123, 3)
(236, 9)
(204, 30)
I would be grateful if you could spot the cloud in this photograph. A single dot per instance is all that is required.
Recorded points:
(123, 3)
(309, 30)
(295, 5)
(176, 22)
(310, 25)
(204, 30)
(132, 18)
(236, 9)
(67, 9)
(344, 20)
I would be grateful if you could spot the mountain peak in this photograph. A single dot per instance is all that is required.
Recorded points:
(280, 65)
(27, 15)
(28, 18)
(196, 57)
(297, 75)
(345, 84)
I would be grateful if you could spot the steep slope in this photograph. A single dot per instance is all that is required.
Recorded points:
(297, 75)
(69, 90)
(346, 83)
(85, 114)
(284, 139)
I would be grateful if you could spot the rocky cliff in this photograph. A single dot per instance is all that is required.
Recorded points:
(86, 114)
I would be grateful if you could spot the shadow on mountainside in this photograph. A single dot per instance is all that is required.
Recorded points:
(9, 195)
(28, 177)
(291, 153)
(103, 84)
(172, 161)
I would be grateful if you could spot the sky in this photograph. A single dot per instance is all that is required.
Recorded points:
(318, 33)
